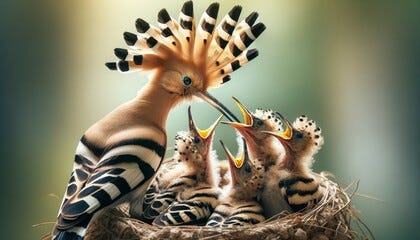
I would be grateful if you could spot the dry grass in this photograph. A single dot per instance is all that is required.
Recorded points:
(333, 218)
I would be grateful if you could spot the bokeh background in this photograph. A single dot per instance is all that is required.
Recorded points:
(353, 66)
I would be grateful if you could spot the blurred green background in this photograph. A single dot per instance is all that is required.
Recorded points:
(352, 66)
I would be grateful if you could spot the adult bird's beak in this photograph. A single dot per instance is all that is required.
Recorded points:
(206, 134)
(234, 163)
(216, 104)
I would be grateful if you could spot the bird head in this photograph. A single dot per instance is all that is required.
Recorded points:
(246, 175)
(194, 148)
(187, 60)
(253, 126)
(301, 140)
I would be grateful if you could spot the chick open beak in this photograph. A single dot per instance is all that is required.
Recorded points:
(204, 134)
(243, 128)
(286, 135)
(234, 163)
(216, 104)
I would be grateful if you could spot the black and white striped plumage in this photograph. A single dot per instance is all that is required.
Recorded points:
(189, 191)
(101, 176)
(292, 177)
(263, 147)
(238, 203)
(192, 156)
(126, 147)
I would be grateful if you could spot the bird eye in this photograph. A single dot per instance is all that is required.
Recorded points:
(299, 135)
(258, 122)
(187, 81)
(247, 169)
(197, 140)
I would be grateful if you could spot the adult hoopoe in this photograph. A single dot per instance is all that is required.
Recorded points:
(292, 177)
(191, 160)
(238, 204)
(118, 156)
(262, 146)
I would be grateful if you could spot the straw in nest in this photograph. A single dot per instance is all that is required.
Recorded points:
(332, 218)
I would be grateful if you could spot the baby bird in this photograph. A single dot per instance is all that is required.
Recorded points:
(238, 204)
(262, 146)
(188, 193)
(192, 158)
(291, 178)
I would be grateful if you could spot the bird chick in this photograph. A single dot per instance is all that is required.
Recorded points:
(292, 179)
(238, 204)
(188, 193)
(262, 146)
(191, 159)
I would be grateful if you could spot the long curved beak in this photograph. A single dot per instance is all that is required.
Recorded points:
(216, 104)
(204, 134)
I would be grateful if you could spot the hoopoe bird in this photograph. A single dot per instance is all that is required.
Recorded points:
(238, 204)
(118, 156)
(191, 160)
(292, 177)
(263, 147)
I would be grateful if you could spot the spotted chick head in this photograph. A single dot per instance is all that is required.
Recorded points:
(301, 141)
(246, 175)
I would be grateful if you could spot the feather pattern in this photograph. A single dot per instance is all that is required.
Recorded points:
(120, 169)
(193, 157)
(217, 49)
(238, 204)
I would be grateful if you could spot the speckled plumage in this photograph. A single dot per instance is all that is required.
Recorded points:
(192, 163)
(238, 204)
(262, 146)
(291, 179)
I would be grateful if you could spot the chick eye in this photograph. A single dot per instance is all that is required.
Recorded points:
(197, 140)
(186, 80)
(258, 122)
(299, 135)
(247, 169)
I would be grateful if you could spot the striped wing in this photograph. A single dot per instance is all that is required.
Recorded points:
(300, 192)
(122, 168)
(227, 215)
(195, 209)
(158, 198)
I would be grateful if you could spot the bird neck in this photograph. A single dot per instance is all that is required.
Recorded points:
(155, 103)
(294, 162)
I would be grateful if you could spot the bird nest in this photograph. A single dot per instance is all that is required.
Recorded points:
(332, 218)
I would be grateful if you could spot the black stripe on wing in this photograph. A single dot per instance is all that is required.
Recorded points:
(185, 213)
(147, 143)
(96, 193)
(292, 180)
(92, 147)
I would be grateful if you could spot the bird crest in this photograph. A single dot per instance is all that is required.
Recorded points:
(309, 128)
(212, 51)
